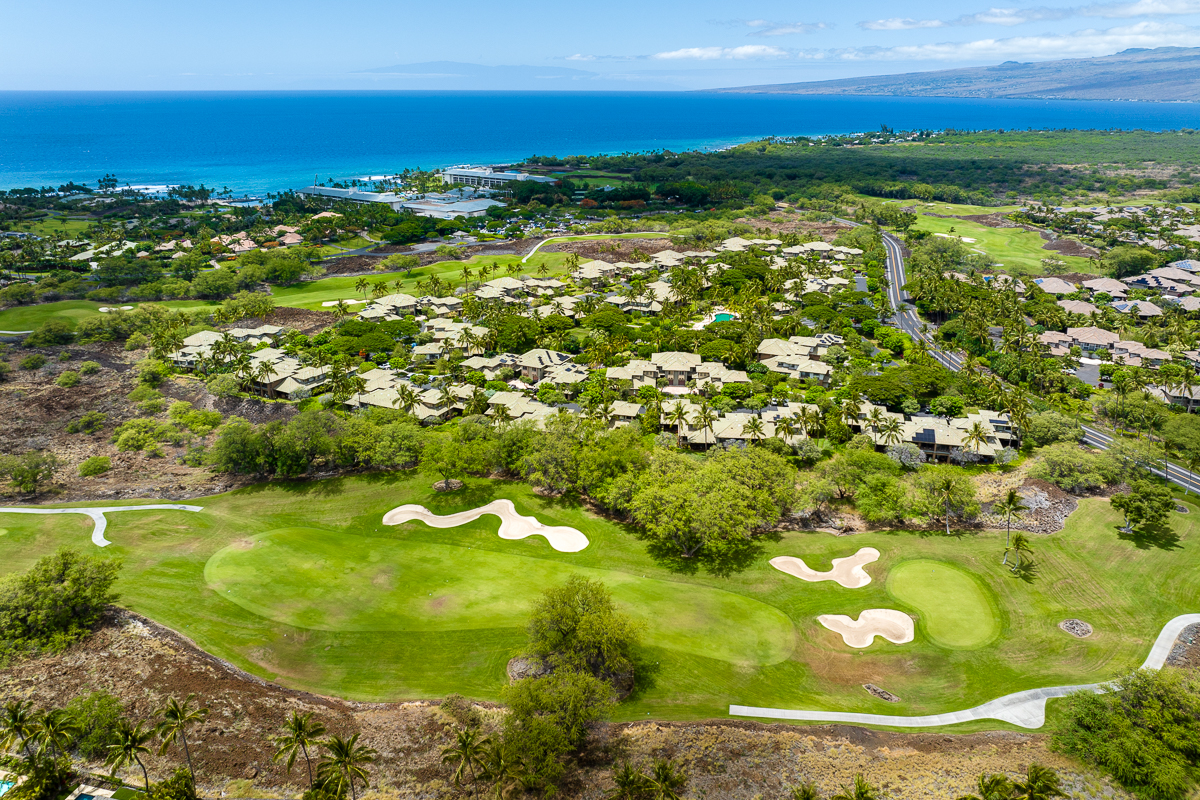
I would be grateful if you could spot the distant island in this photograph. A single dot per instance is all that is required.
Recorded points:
(1161, 74)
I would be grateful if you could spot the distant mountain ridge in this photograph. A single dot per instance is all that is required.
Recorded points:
(1161, 74)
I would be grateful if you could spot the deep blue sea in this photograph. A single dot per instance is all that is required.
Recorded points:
(271, 141)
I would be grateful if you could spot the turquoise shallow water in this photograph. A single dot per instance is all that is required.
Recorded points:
(271, 141)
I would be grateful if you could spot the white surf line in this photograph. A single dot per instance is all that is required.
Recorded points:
(97, 515)
(512, 524)
(1026, 709)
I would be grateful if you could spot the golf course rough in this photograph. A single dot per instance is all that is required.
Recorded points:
(323, 580)
(956, 610)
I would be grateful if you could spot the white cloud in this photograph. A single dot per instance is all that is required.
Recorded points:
(765, 27)
(749, 51)
(900, 24)
(581, 57)
(1020, 16)
(1083, 43)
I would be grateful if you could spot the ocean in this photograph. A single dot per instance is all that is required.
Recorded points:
(257, 142)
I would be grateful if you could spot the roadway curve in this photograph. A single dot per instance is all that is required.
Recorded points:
(1026, 709)
(905, 318)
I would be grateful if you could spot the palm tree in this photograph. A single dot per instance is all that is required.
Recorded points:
(467, 751)
(785, 428)
(805, 791)
(177, 717)
(874, 421)
(1020, 544)
(341, 310)
(129, 748)
(18, 725)
(501, 414)
(344, 762)
(55, 730)
(944, 490)
(976, 436)
(264, 372)
(1011, 506)
(361, 285)
(405, 399)
(1041, 783)
(991, 787)
(891, 431)
(667, 780)
(704, 417)
(505, 770)
(677, 416)
(861, 791)
(754, 429)
(300, 732)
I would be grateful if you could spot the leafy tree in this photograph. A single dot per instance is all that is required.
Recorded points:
(57, 602)
(1144, 730)
(180, 786)
(97, 715)
(18, 726)
(50, 333)
(1070, 467)
(1051, 427)
(29, 471)
(466, 754)
(882, 498)
(577, 626)
(946, 492)
(1146, 504)
(454, 455)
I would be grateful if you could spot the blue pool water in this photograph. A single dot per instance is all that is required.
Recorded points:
(4, 787)
(722, 317)
(271, 141)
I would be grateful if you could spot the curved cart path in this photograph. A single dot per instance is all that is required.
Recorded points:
(1026, 709)
(512, 524)
(97, 515)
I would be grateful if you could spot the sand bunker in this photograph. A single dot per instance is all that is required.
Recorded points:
(847, 571)
(512, 524)
(895, 626)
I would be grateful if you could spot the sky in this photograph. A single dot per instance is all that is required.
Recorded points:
(617, 45)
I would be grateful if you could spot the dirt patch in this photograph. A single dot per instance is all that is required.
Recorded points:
(1071, 247)
(143, 663)
(779, 222)
(351, 265)
(610, 250)
(304, 320)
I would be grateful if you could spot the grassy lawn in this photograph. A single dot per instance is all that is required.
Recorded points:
(301, 583)
(1018, 250)
(61, 226)
(303, 295)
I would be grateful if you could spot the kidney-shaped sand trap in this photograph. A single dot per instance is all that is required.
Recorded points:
(847, 571)
(895, 626)
(512, 524)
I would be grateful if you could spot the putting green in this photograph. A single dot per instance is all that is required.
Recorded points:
(957, 611)
(322, 580)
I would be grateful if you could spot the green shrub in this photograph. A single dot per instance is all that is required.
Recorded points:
(64, 356)
(4, 370)
(196, 420)
(33, 361)
(96, 715)
(68, 379)
(145, 434)
(223, 386)
(177, 787)
(49, 333)
(89, 368)
(96, 465)
(90, 422)
(152, 372)
(137, 341)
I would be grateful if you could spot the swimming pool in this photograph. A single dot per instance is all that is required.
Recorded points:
(722, 317)
(4, 787)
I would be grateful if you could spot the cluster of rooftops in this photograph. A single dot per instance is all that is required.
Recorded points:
(1176, 284)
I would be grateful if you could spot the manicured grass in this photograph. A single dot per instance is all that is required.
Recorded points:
(302, 584)
(28, 318)
(1018, 250)
(955, 609)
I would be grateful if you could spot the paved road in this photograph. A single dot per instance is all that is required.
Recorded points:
(97, 514)
(1026, 709)
(905, 317)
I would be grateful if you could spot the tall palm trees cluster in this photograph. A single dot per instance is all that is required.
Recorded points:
(39, 735)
